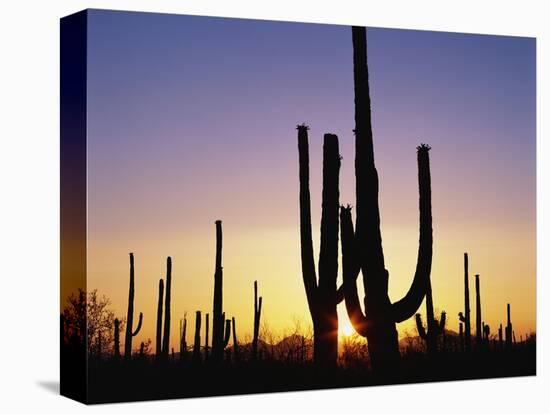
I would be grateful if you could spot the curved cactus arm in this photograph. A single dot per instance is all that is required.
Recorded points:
(407, 306)
(420, 327)
(140, 321)
(308, 262)
(350, 270)
(227, 332)
(461, 317)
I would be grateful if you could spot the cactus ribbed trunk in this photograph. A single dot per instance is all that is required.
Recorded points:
(362, 249)
(321, 296)
(257, 316)
(130, 314)
(166, 333)
(197, 342)
(158, 343)
(479, 327)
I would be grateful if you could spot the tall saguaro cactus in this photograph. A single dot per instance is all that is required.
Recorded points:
(479, 327)
(218, 316)
(508, 329)
(158, 343)
(322, 295)
(183, 337)
(130, 314)
(362, 249)
(197, 342)
(206, 346)
(167, 298)
(257, 316)
(465, 317)
(163, 335)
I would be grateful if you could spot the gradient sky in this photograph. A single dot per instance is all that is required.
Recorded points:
(192, 119)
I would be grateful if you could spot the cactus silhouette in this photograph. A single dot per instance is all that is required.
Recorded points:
(257, 316)
(130, 314)
(163, 334)
(235, 342)
(486, 333)
(218, 316)
(116, 335)
(508, 330)
(183, 337)
(197, 342)
(479, 327)
(500, 336)
(362, 249)
(159, 319)
(434, 329)
(461, 335)
(465, 317)
(206, 348)
(166, 333)
(322, 296)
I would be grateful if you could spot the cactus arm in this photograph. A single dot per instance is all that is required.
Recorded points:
(227, 332)
(350, 270)
(140, 321)
(407, 306)
(308, 262)
(328, 253)
(420, 326)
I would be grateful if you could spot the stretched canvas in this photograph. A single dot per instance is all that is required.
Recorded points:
(253, 206)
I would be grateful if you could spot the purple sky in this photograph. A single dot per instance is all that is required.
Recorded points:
(192, 119)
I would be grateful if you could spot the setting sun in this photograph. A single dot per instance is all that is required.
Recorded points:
(347, 329)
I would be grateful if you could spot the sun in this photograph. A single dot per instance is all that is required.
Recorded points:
(347, 329)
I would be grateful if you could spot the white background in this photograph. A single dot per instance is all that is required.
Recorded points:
(29, 203)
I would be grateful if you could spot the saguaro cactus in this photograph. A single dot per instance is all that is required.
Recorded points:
(130, 314)
(461, 335)
(434, 329)
(206, 347)
(116, 349)
(235, 342)
(183, 337)
(362, 249)
(500, 336)
(218, 334)
(158, 344)
(257, 316)
(322, 295)
(197, 342)
(508, 329)
(166, 333)
(479, 327)
(465, 317)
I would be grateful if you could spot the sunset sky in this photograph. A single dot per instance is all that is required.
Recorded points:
(192, 119)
